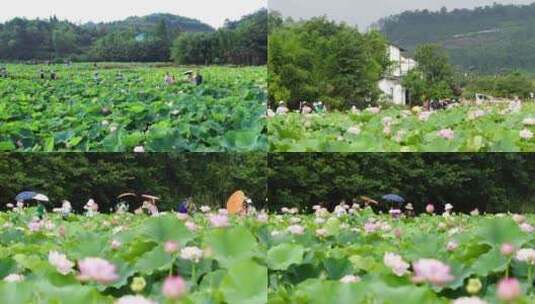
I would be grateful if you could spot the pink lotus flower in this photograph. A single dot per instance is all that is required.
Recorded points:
(431, 271)
(430, 209)
(469, 300)
(219, 220)
(446, 134)
(509, 289)
(526, 255)
(371, 227)
(60, 261)
(396, 263)
(296, 229)
(115, 244)
(174, 287)
(98, 270)
(134, 300)
(193, 253)
(35, 225)
(171, 247)
(349, 279)
(527, 228)
(507, 249)
(191, 226)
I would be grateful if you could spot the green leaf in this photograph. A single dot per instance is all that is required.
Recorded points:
(284, 255)
(245, 283)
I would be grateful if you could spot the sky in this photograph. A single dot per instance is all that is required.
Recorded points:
(365, 12)
(212, 12)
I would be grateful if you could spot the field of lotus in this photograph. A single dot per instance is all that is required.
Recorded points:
(351, 255)
(131, 259)
(466, 128)
(356, 256)
(122, 107)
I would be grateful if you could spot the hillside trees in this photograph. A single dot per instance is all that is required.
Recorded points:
(319, 59)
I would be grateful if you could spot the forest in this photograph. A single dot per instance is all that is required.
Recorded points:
(491, 39)
(208, 178)
(490, 182)
(152, 38)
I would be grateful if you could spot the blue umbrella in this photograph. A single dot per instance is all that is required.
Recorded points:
(30, 195)
(394, 198)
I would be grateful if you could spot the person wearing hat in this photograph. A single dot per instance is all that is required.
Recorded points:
(409, 210)
(91, 208)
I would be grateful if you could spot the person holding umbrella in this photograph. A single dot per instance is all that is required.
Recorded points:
(30, 195)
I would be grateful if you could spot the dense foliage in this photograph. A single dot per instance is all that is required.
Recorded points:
(355, 256)
(128, 106)
(134, 39)
(490, 39)
(104, 258)
(208, 178)
(319, 59)
(432, 79)
(507, 86)
(238, 42)
(490, 182)
(488, 127)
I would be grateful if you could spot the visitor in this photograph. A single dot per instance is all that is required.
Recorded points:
(53, 75)
(168, 79)
(91, 208)
(96, 77)
(320, 107)
(42, 74)
(282, 109)
(3, 72)
(305, 108)
(197, 79)
(119, 76)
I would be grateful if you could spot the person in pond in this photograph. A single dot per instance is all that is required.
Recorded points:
(168, 79)
(186, 206)
(3, 72)
(197, 79)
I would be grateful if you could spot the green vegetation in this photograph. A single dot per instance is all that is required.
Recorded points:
(490, 182)
(362, 257)
(488, 127)
(152, 38)
(506, 86)
(491, 39)
(128, 106)
(104, 258)
(319, 59)
(207, 177)
(238, 42)
(432, 79)
(134, 39)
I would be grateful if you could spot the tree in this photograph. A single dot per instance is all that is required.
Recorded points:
(319, 59)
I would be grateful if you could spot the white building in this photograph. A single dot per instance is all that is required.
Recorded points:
(391, 83)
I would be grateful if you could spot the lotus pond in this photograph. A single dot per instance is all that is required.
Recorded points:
(466, 128)
(351, 255)
(128, 106)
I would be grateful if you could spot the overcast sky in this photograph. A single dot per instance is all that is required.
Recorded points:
(365, 12)
(213, 12)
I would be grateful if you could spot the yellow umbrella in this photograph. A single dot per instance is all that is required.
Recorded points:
(235, 203)
(369, 200)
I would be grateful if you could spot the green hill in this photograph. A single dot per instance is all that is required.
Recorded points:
(147, 23)
(489, 39)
